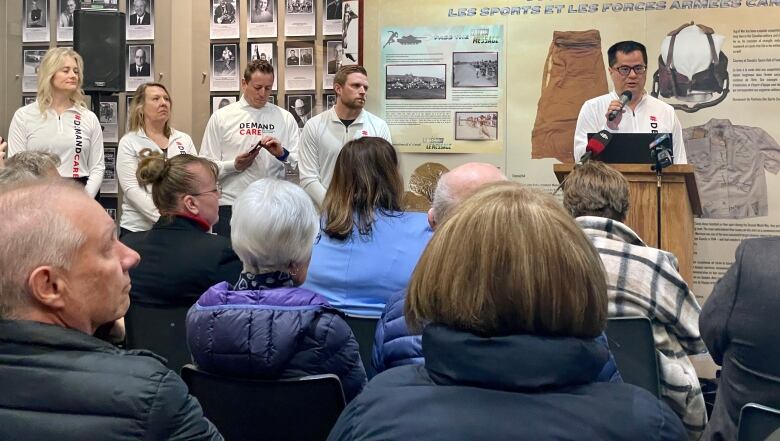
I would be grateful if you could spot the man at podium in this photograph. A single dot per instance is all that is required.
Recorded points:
(628, 108)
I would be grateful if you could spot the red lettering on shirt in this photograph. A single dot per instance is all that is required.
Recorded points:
(250, 132)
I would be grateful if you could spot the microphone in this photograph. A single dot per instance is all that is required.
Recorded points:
(661, 138)
(625, 97)
(596, 144)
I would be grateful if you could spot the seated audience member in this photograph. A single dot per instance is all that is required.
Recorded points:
(179, 258)
(394, 345)
(642, 281)
(264, 325)
(510, 295)
(369, 246)
(63, 274)
(28, 165)
(737, 323)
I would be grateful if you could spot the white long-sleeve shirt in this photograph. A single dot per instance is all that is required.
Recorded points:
(75, 137)
(321, 141)
(138, 210)
(650, 116)
(235, 129)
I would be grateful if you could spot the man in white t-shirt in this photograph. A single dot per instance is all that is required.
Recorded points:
(324, 135)
(249, 139)
(643, 114)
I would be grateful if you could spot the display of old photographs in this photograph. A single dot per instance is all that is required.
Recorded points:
(128, 102)
(299, 18)
(220, 101)
(31, 61)
(140, 65)
(476, 126)
(28, 99)
(301, 107)
(224, 67)
(140, 19)
(110, 185)
(299, 65)
(333, 59)
(35, 25)
(263, 51)
(331, 16)
(416, 81)
(351, 24)
(262, 21)
(224, 19)
(108, 115)
(328, 101)
(65, 18)
(475, 69)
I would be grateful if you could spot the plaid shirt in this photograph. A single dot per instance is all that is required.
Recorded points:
(643, 281)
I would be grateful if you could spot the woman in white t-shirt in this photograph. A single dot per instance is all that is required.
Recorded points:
(58, 121)
(150, 112)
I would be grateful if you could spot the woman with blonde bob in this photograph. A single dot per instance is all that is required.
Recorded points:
(510, 295)
(150, 113)
(58, 121)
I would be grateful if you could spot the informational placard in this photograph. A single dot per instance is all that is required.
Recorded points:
(35, 23)
(333, 59)
(262, 21)
(220, 101)
(301, 106)
(264, 51)
(331, 16)
(65, 18)
(140, 65)
(224, 19)
(224, 67)
(31, 61)
(140, 20)
(109, 118)
(299, 65)
(110, 184)
(299, 19)
(443, 88)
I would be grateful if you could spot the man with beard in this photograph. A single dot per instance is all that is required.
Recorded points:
(325, 134)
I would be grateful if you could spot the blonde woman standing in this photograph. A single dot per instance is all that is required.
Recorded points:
(150, 113)
(59, 122)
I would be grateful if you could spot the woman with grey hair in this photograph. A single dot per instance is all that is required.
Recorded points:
(264, 325)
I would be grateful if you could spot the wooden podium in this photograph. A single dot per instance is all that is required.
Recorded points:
(679, 202)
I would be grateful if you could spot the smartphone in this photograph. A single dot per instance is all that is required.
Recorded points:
(257, 147)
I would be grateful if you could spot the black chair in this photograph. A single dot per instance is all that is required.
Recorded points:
(364, 329)
(161, 330)
(758, 423)
(631, 342)
(304, 408)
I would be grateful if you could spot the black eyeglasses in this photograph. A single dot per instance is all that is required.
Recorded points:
(639, 69)
(217, 190)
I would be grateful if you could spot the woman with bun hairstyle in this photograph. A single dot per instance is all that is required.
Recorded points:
(179, 258)
(59, 122)
(150, 112)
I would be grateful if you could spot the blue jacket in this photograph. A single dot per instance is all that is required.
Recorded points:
(394, 346)
(273, 333)
(518, 387)
(359, 274)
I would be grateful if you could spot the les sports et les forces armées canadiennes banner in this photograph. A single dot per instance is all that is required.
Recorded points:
(509, 80)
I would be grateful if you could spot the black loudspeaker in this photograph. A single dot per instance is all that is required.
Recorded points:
(99, 37)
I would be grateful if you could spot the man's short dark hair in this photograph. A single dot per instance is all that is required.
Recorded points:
(262, 66)
(345, 71)
(626, 47)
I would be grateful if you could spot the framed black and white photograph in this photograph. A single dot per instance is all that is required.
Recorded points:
(351, 27)
(220, 101)
(301, 107)
(264, 51)
(333, 60)
(328, 100)
(262, 21)
(140, 65)
(65, 17)
(128, 103)
(31, 61)
(331, 16)
(140, 19)
(475, 69)
(224, 67)
(108, 115)
(416, 81)
(272, 99)
(224, 19)
(28, 99)
(110, 185)
(36, 21)
(299, 20)
(476, 126)
(297, 75)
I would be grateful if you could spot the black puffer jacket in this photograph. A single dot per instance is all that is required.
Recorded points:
(61, 384)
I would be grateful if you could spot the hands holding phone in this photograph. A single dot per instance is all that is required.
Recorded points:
(274, 147)
(3, 149)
